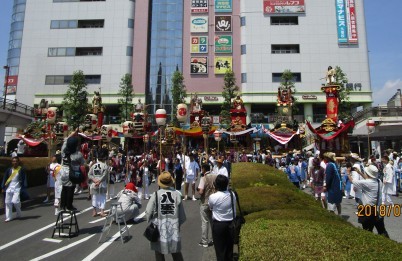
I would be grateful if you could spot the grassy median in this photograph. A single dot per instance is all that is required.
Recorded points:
(284, 223)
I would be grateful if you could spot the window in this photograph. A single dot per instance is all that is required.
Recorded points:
(285, 48)
(243, 77)
(276, 77)
(130, 23)
(284, 20)
(129, 51)
(97, 23)
(243, 49)
(66, 79)
(71, 24)
(61, 51)
(88, 51)
(242, 21)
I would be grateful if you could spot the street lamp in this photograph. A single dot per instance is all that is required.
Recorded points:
(370, 128)
(218, 137)
(7, 68)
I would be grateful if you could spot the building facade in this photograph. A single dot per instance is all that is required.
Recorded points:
(59, 37)
(257, 39)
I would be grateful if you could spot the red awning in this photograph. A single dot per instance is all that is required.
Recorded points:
(331, 134)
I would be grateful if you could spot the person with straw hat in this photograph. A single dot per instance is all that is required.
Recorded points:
(165, 209)
(371, 196)
(333, 183)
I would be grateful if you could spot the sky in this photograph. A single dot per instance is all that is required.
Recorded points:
(384, 38)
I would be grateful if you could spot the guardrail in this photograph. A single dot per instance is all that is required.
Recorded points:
(378, 111)
(14, 106)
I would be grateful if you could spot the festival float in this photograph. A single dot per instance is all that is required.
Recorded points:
(332, 134)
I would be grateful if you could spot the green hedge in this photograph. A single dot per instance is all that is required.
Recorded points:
(35, 169)
(284, 223)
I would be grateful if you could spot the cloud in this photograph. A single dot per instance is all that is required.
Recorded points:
(382, 95)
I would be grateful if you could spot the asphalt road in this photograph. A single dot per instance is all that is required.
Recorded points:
(27, 238)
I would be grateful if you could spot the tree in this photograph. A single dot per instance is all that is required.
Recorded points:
(179, 93)
(229, 92)
(75, 104)
(126, 92)
(344, 110)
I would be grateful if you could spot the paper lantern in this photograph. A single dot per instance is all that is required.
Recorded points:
(51, 115)
(106, 132)
(91, 122)
(181, 112)
(217, 135)
(160, 117)
(127, 129)
(370, 125)
(61, 129)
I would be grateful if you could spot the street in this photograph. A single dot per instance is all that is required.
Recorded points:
(29, 238)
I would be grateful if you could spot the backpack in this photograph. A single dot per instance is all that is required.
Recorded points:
(75, 176)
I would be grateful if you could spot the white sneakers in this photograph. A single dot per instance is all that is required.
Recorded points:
(194, 199)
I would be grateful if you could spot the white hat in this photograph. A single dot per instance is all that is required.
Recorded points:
(355, 156)
(372, 171)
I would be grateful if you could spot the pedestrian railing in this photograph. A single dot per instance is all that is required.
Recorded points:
(14, 106)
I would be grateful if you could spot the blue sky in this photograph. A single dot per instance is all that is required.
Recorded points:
(384, 42)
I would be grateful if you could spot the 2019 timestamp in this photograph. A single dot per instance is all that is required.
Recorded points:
(381, 210)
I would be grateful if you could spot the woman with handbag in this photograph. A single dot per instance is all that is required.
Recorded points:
(72, 160)
(166, 211)
(12, 185)
(222, 216)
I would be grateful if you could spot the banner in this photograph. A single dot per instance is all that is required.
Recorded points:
(223, 44)
(332, 107)
(352, 28)
(199, 24)
(199, 65)
(199, 6)
(11, 90)
(284, 7)
(199, 44)
(223, 6)
(223, 23)
(222, 64)
(12, 80)
(341, 21)
(238, 133)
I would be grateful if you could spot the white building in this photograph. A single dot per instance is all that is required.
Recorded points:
(304, 39)
(62, 36)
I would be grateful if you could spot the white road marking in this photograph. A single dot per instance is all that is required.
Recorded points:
(37, 231)
(96, 220)
(104, 245)
(139, 217)
(52, 240)
(63, 248)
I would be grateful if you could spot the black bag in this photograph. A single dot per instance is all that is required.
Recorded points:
(75, 176)
(152, 231)
(237, 221)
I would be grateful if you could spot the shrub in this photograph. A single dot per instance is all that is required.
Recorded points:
(284, 223)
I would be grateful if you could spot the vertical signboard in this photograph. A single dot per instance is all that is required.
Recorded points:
(11, 84)
(199, 44)
(199, 6)
(352, 25)
(341, 21)
(223, 6)
(223, 23)
(222, 64)
(223, 44)
(284, 7)
(199, 24)
(199, 65)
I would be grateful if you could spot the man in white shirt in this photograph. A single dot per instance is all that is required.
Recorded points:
(191, 174)
(221, 170)
(21, 148)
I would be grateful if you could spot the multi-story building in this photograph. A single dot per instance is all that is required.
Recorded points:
(257, 39)
(56, 38)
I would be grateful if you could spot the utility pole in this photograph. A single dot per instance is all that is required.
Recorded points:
(7, 68)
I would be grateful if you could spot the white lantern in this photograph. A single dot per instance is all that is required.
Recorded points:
(51, 115)
(181, 112)
(217, 135)
(91, 122)
(106, 132)
(127, 128)
(160, 117)
(370, 125)
(61, 129)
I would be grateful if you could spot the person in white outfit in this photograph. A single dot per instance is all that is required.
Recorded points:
(54, 175)
(13, 183)
(356, 164)
(388, 180)
(98, 176)
(191, 174)
(145, 176)
(130, 202)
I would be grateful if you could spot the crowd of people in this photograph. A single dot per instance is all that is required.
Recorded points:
(331, 179)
